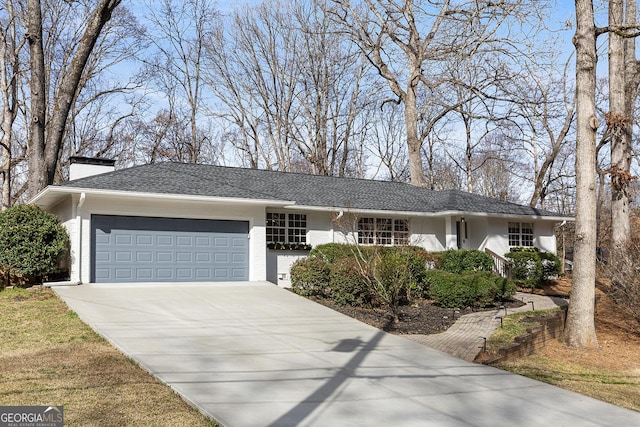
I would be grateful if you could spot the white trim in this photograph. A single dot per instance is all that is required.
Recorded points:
(52, 191)
(342, 211)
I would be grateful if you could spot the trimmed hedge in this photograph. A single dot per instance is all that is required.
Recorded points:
(531, 267)
(466, 260)
(471, 289)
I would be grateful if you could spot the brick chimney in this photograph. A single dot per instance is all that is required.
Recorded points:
(82, 167)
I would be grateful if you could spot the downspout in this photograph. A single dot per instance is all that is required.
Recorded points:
(333, 232)
(83, 197)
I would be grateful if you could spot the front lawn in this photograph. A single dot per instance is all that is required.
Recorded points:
(50, 357)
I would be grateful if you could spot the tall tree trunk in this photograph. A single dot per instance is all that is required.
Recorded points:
(414, 143)
(580, 328)
(37, 178)
(619, 122)
(46, 138)
(10, 75)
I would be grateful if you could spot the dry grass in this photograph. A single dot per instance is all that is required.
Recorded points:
(610, 373)
(50, 357)
(620, 387)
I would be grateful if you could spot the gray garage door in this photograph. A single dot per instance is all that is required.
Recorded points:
(143, 249)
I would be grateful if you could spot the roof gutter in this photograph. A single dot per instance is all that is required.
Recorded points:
(426, 214)
(52, 191)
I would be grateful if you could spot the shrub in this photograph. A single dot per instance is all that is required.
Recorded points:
(331, 252)
(526, 268)
(310, 277)
(472, 289)
(32, 242)
(466, 260)
(348, 285)
(362, 275)
(625, 280)
(551, 265)
(414, 259)
(531, 267)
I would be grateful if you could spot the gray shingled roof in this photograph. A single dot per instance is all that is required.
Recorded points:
(305, 190)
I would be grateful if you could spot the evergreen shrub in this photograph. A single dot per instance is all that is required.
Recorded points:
(33, 243)
(471, 289)
(531, 267)
(466, 260)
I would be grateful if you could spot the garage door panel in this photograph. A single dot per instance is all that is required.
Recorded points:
(184, 257)
(164, 240)
(144, 273)
(184, 241)
(102, 275)
(146, 256)
(164, 257)
(203, 257)
(203, 241)
(238, 243)
(124, 274)
(221, 242)
(123, 240)
(167, 249)
(144, 240)
(124, 256)
(239, 259)
(103, 256)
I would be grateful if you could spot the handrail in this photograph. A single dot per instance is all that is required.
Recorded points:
(501, 265)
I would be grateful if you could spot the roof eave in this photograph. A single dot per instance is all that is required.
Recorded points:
(336, 209)
(52, 194)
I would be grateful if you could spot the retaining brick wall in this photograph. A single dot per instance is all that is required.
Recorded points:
(550, 328)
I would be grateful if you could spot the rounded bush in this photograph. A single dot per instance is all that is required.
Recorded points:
(310, 277)
(348, 285)
(476, 289)
(32, 242)
(550, 265)
(448, 289)
(466, 260)
(531, 267)
(526, 268)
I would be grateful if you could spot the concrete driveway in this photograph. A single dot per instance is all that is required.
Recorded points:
(252, 354)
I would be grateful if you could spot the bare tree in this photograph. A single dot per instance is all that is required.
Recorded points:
(542, 111)
(261, 48)
(385, 132)
(331, 78)
(624, 79)
(406, 42)
(301, 94)
(47, 130)
(11, 74)
(178, 33)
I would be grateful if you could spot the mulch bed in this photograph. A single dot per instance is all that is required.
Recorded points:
(422, 317)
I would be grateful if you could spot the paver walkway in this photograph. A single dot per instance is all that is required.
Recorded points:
(464, 338)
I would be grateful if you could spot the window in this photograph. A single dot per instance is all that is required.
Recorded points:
(283, 228)
(520, 234)
(383, 231)
(297, 228)
(401, 232)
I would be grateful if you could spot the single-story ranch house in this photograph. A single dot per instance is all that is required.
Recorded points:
(189, 222)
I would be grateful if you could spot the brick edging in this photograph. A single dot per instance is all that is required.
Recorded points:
(550, 327)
